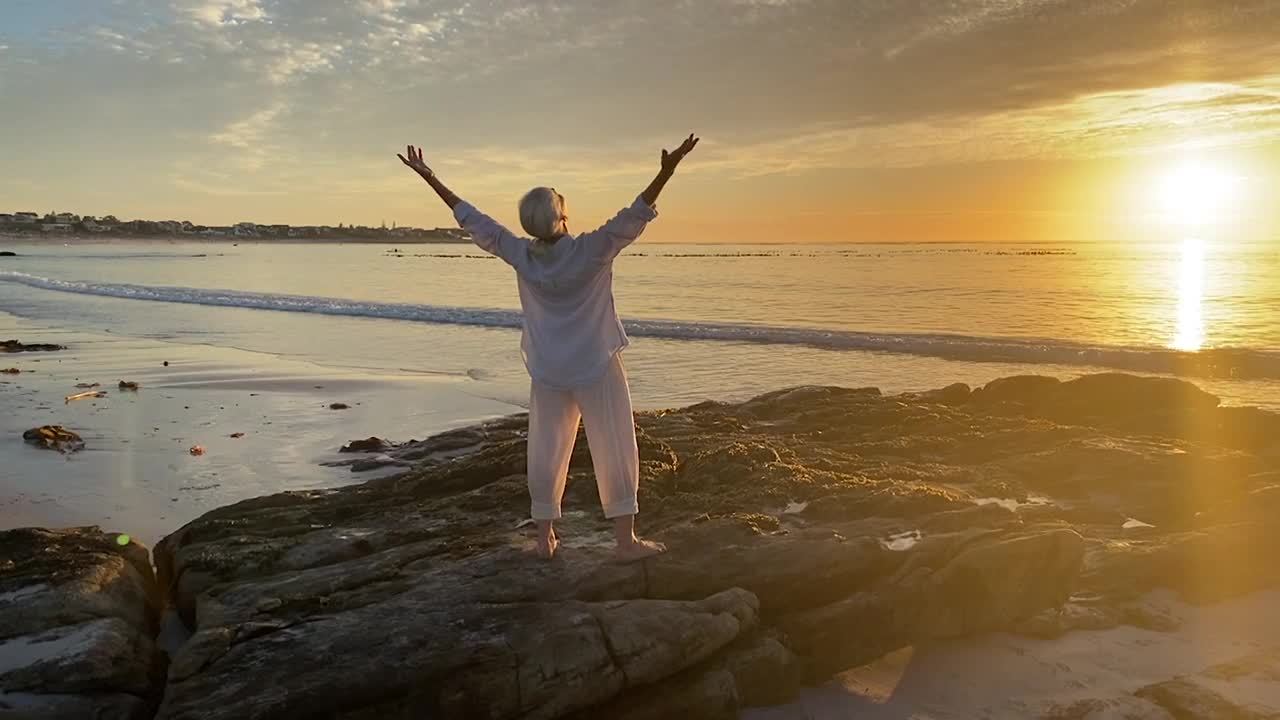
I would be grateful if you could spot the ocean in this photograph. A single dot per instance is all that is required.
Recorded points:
(707, 321)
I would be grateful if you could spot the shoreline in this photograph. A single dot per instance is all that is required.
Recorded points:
(20, 239)
(136, 473)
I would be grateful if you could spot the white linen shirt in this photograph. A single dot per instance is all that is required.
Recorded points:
(571, 328)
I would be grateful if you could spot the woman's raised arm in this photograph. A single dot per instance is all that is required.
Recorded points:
(626, 226)
(488, 234)
(414, 161)
(669, 162)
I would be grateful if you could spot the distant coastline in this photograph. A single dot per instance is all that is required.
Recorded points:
(65, 226)
(107, 239)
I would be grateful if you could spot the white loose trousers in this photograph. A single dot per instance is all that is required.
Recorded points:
(604, 406)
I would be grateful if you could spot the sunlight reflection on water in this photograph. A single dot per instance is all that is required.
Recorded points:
(1190, 321)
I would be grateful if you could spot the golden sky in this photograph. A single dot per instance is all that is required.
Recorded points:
(822, 120)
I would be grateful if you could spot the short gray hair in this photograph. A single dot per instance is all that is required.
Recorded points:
(542, 213)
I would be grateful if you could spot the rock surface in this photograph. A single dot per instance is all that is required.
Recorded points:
(810, 530)
(78, 612)
(1189, 700)
(13, 346)
(372, 444)
(53, 437)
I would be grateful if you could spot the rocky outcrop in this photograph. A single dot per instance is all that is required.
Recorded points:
(809, 530)
(78, 613)
(1185, 699)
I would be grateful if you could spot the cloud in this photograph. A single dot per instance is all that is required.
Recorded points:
(1104, 125)
(965, 17)
(387, 10)
(221, 12)
(431, 27)
(283, 60)
(252, 136)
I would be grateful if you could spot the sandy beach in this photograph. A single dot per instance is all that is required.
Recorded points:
(137, 474)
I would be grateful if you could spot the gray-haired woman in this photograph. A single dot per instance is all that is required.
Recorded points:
(572, 343)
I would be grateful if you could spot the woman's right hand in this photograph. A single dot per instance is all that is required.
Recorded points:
(415, 162)
(671, 159)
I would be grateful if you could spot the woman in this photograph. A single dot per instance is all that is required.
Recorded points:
(571, 345)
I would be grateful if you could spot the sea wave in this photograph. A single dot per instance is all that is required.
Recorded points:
(1238, 363)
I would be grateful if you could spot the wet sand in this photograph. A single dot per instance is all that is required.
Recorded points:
(137, 474)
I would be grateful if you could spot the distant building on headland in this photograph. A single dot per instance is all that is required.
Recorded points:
(64, 223)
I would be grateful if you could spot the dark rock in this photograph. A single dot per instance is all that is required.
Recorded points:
(1208, 565)
(339, 406)
(764, 671)
(527, 659)
(447, 442)
(128, 385)
(955, 394)
(711, 695)
(376, 462)
(372, 444)
(8, 253)
(938, 594)
(53, 437)
(80, 609)
(1246, 428)
(1029, 390)
(13, 346)
(65, 706)
(1188, 700)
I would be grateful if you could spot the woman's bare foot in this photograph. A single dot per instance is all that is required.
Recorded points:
(548, 544)
(638, 549)
(630, 547)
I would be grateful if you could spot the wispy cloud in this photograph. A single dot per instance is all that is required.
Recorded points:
(1117, 124)
(221, 12)
(252, 136)
(283, 60)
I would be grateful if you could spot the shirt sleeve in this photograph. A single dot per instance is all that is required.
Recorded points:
(488, 234)
(622, 230)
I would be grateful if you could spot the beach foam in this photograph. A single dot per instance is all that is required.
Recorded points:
(1220, 362)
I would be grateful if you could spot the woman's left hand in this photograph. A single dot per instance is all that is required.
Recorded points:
(415, 162)
(671, 159)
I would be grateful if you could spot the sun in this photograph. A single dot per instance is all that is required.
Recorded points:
(1196, 193)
